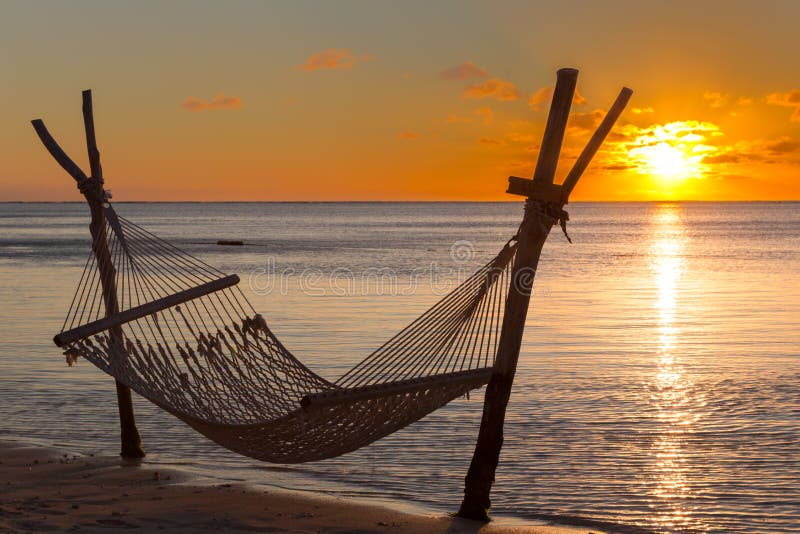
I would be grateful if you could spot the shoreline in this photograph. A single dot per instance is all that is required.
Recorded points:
(49, 488)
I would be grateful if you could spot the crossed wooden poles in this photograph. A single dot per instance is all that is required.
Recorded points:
(543, 208)
(92, 188)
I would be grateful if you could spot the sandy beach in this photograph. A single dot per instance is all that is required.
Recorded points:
(46, 489)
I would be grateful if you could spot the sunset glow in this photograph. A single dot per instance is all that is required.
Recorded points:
(264, 102)
(667, 161)
(673, 152)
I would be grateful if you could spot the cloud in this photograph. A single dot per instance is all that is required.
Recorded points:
(702, 144)
(543, 96)
(465, 71)
(409, 135)
(486, 114)
(518, 137)
(726, 157)
(521, 131)
(519, 124)
(716, 99)
(540, 97)
(455, 119)
(491, 141)
(790, 99)
(636, 147)
(621, 166)
(641, 111)
(784, 145)
(331, 59)
(493, 88)
(580, 123)
(683, 131)
(755, 151)
(518, 167)
(219, 102)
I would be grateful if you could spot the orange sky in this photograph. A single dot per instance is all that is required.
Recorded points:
(377, 101)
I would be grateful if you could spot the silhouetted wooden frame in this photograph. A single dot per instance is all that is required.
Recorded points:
(92, 189)
(532, 235)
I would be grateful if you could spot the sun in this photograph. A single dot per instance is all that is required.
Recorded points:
(668, 162)
(673, 152)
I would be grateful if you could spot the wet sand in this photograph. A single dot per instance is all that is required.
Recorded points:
(49, 490)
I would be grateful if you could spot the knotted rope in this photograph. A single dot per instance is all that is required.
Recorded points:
(547, 213)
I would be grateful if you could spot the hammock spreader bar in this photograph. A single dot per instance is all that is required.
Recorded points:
(137, 312)
(474, 377)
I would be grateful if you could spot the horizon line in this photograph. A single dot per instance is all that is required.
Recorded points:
(510, 201)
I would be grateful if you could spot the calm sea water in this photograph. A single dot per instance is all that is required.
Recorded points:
(657, 385)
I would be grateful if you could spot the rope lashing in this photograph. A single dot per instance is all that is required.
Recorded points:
(552, 214)
(93, 187)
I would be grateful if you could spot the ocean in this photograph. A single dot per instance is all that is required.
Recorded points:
(658, 385)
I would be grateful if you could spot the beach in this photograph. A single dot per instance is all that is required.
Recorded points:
(49, 489)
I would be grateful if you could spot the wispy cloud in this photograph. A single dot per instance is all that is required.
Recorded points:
(716, 99)
(491, 142)
(457, 119)
(686, 131)
(784, 145)
(772, 151)
(464, 71)
(486, 114)
(331, 59)
(493, 88)
(701, 142)
(540, 98)
(219, 102)
(580, 123)
(518, 137)
(634, 147)
(642, 111)
(790, 99)
(522, 132)
(409, 135)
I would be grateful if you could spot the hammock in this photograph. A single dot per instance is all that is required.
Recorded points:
(183, 335)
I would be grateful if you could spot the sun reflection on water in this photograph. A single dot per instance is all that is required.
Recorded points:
(672, 394)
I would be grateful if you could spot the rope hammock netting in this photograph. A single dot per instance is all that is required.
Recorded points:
(185, 337)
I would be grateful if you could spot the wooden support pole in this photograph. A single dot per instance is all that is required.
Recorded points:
(531, 238)
(533, 233)
(92, 189)
(130, 439)
(553, 136)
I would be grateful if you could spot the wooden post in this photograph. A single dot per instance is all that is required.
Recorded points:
(542, 195)
(131, 441)
(595, 142)
(531, 238)
(92, 189)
